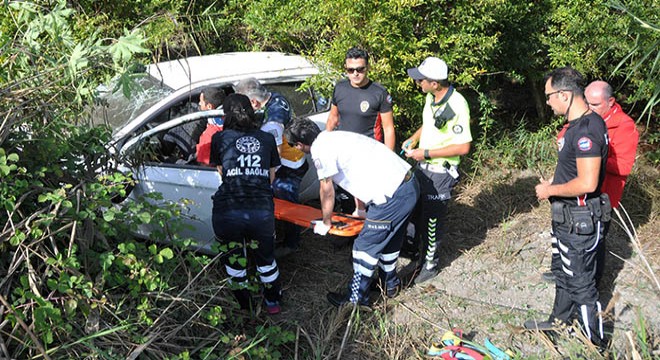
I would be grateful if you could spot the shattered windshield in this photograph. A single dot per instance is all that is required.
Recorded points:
(116, 110)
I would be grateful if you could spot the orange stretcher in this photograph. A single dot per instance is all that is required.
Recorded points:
(303, 215)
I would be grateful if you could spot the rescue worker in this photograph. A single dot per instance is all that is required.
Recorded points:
(579, 212)
(246, 158)
(370, 171)
(277, 114)
(437, 146)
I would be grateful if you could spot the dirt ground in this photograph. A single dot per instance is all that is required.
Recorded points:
(496, 247)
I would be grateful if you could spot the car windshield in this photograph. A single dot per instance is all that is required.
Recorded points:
(116, 110)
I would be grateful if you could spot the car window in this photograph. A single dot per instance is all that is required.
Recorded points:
(303, 102)
(187, 103)
(173, 146)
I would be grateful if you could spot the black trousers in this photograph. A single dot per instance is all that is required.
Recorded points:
(574, 259)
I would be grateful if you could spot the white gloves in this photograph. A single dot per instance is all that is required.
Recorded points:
(321, 228)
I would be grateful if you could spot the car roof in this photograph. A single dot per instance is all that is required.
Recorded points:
(183, 72)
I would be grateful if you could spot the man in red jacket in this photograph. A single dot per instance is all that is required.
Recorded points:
(623, 136)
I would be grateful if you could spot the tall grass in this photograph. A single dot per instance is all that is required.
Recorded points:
(517, 149)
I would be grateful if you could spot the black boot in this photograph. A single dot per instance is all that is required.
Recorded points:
(390, 282)
(358, 292)
(244, 299)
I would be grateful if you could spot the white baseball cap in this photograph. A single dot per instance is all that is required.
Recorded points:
(431, 68)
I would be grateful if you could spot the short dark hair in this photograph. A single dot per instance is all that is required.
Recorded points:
(213, 96)
(357, 53)
(301, 129)
(239, 114)
(567, 79)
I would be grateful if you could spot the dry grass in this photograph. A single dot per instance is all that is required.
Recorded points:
(496, 247)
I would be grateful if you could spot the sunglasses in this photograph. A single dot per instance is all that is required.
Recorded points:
(359, 69)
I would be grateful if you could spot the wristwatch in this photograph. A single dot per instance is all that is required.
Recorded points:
(426, 154)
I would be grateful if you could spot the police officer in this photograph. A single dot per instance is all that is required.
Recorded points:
(246, 158)
(578, 209)
(370, 171)
(363, 106)
(437, 146)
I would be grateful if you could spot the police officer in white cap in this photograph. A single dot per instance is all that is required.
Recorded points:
(437, 146)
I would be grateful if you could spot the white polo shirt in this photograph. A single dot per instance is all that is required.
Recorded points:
(364, 167)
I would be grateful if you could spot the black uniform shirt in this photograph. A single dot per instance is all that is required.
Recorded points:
(246, 159)
(359, 107)
(582, 138)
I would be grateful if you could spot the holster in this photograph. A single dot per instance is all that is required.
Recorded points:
(558, 210)
(606, 207)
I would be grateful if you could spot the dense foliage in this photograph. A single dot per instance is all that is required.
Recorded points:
(74, 282)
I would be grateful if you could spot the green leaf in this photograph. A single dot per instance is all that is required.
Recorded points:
(145, 217)
(17, 238)
(167, 253)
(124, 48)
(109, 215)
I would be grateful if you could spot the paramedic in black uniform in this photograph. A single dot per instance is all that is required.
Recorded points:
(578, 209)
(246, 158)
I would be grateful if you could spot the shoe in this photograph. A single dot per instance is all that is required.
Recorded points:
(549, 277)
(539, 325)
(412, 254)
(409, 249)
(337, 299)
(272, 308)
(426, 274)
(378, 286)
(284, 251)
(393, 292)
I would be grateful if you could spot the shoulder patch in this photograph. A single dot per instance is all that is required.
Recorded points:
(317, 164)
(584, 144)
(389, 99)
(457, 129)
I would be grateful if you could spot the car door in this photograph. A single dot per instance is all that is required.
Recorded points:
(180, 181)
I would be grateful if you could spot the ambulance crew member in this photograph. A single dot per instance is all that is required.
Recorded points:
(277, 113)
(246, 158)
(370, 171)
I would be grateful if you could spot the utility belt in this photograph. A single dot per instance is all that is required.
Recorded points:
(581, 219)
(452, 170)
